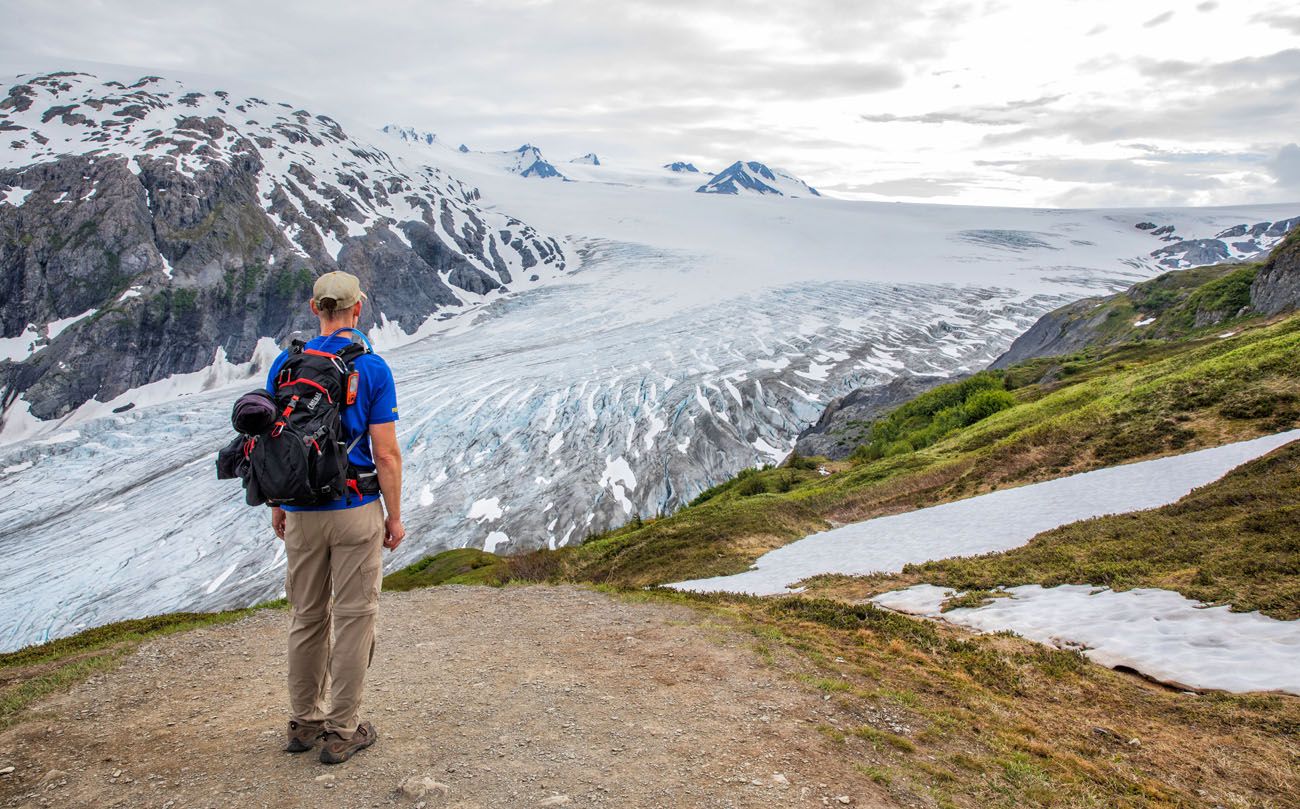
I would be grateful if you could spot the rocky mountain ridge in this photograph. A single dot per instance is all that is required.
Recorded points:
(1237, 243)
(146, 229)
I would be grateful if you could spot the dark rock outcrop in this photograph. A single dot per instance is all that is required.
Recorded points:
(1277, 286)
(846, 421)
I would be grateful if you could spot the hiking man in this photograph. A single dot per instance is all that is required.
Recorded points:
(336, 547)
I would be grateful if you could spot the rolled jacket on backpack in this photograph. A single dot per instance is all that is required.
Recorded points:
(254, 413)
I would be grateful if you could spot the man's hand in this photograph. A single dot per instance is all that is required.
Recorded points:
(394, 532)
(277, 521)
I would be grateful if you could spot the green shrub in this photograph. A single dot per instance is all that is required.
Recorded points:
(935, 414)
(984, 404)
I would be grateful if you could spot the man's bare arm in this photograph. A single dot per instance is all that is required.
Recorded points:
(388, 463)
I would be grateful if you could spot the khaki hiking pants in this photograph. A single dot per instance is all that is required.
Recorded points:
(339, 552)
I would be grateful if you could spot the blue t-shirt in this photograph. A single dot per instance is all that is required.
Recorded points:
(376, 404)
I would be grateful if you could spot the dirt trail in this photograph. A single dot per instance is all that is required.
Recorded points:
(516, 697)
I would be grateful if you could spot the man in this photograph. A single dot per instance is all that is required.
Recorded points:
(336, 547)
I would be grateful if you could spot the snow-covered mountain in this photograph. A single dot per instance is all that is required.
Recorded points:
(412, 135)
(682, 166)
(155, 228)
(752, 177)
(698, 336)
(589, 159)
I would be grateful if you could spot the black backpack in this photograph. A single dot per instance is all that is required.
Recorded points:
(301, 458)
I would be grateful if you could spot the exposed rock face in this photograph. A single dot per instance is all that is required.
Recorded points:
(144, 228)
(846, 421)
(1241, 242)
(1061, 331)
(1194, 251)
(1277, 287)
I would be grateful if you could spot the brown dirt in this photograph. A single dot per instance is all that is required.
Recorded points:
(509, 697)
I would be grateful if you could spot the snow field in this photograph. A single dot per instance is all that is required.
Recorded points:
(1159, 633)
(985, 523)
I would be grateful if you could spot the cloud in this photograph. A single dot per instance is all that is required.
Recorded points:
(1287, 22)
(916, 187)
(1247, 100)
(998, 115)
(1286, 166)
(1159, 19)
(1208, 5)
(1153, 176)
(1247, 70)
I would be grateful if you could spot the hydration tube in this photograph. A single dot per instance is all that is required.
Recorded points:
(364, 340)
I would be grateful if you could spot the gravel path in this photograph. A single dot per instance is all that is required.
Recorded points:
(483, 698)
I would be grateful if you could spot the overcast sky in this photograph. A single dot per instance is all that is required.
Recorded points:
(1007, 102)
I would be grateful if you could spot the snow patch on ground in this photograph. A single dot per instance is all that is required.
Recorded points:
(1157, 632)
(21, 346)
(997, 521)
(17, 196)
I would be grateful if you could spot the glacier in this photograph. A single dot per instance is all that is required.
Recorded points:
(695, 335)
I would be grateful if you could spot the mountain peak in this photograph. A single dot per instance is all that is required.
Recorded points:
(682, 166)
(529, 162)
(753, 177)
(410, 134)
(589, 159)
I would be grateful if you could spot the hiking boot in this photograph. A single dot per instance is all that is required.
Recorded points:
(335, 749)
(302, 737)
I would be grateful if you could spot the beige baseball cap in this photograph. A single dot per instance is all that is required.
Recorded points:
(342, 288)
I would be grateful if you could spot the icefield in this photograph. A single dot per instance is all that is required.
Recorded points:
(1159, 633)
(697, 336)
(988, 523)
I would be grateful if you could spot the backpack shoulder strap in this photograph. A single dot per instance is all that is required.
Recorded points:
(351, 351)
